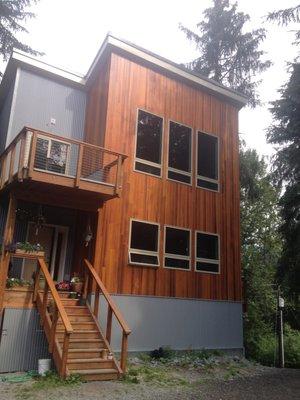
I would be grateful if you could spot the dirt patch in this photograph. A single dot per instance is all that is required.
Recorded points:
(214, 379)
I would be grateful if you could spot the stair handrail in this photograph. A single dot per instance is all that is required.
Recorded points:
(58, 310)
(112, 310)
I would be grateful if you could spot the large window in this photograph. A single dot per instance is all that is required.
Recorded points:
(207, 253)
(207, 161)
(179, 157)
(148, 154)
(177, 248)
(143, 243)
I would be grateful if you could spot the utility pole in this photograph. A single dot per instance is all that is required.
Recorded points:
(280, 329)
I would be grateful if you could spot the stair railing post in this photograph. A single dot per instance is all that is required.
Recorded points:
(36, 282)
(85, 287)
(44, 305)
(109, 324)
(65, 354)
(53, 328)
(124, 351)
(96, 302)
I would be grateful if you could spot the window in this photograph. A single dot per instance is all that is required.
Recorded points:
(177, 248)
(207, 253)
(51, 155)
(149, 143)
(180, 146)
(143, 243)
(208, 161)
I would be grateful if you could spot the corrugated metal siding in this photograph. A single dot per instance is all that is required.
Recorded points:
(22, 342)
(39, 99)
(4, 117)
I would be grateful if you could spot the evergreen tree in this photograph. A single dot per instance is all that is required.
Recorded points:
(261, 248)
(286, 16)
(285, 132)
(13, 13)
(229, 54)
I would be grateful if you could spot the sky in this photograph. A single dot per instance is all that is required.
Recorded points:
(70, 33)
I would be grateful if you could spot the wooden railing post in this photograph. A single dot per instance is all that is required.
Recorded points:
(85, 287)
(21, 158)
(109, 324)
(65, 355)
(96, 303)
(32, 153)
(36, 282)
(124, 351)
(53, 328)
(11, 165)
(79, 166)
(45, 302)
(119, 175)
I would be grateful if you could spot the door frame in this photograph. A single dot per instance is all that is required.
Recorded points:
(62, 262)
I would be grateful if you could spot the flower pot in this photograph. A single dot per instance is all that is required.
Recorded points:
(77, 287)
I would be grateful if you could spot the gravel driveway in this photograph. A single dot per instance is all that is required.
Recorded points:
(266, 383)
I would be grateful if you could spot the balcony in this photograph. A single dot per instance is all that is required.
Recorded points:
(45, 167)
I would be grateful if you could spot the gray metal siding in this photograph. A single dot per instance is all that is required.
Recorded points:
(179, 323)
(4, 117)
(22, 342)
(38, 99)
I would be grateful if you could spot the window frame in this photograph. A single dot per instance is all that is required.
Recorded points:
(50, 140)
(143, 252)
(208, 260)
(142, 161)
(178, 171)
(176, 256)
(216, 181)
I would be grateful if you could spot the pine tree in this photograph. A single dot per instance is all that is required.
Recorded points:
(285, 132)
(13, 14)
(228, 54)
(286, 16)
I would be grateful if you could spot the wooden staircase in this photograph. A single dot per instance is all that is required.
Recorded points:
(73, 331)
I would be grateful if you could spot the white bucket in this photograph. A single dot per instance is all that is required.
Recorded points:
(44, 365)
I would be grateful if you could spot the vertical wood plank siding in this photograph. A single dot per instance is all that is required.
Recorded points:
(132, 86)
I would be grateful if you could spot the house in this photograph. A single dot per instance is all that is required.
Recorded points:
(128, 177)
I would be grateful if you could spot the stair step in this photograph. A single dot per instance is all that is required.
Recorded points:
(77, 310)
(88, 353)
(78, 318)
(81, 326)
(98, 374)
(89, 363)
(84, 343)
(78, 334)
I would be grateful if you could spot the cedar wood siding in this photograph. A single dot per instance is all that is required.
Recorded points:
(131, 86)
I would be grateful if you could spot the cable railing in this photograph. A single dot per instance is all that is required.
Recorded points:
(35, 154)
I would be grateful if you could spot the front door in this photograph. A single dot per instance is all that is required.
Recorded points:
(53, 239)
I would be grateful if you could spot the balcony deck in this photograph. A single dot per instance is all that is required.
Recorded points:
(41, 166)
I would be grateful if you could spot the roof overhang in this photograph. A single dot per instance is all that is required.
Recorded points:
(111, 43)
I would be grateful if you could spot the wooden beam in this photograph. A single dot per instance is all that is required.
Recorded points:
(7, 239)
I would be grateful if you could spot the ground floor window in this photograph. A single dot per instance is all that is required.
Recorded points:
(143, 243)
(177, 248)
(207, 253)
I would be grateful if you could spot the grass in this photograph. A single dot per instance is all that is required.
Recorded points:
(43, 383)
(149, 373)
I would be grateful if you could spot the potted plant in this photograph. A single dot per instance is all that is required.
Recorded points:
(77, 284)
(63, 286)
(16, 283)
(26, 247)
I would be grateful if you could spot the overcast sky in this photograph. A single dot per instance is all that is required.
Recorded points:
(71, 31)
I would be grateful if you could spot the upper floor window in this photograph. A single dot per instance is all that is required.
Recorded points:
(179, 157)
(143, 243)
(148, 155)
(207, 252)
(207, 161)
(177, 248)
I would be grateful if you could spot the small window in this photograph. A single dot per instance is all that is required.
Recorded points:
(207, 253)
(208, 162)
(143, 243)
(51, 155)
(177, 248)
(149, 143)
(180, 146)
